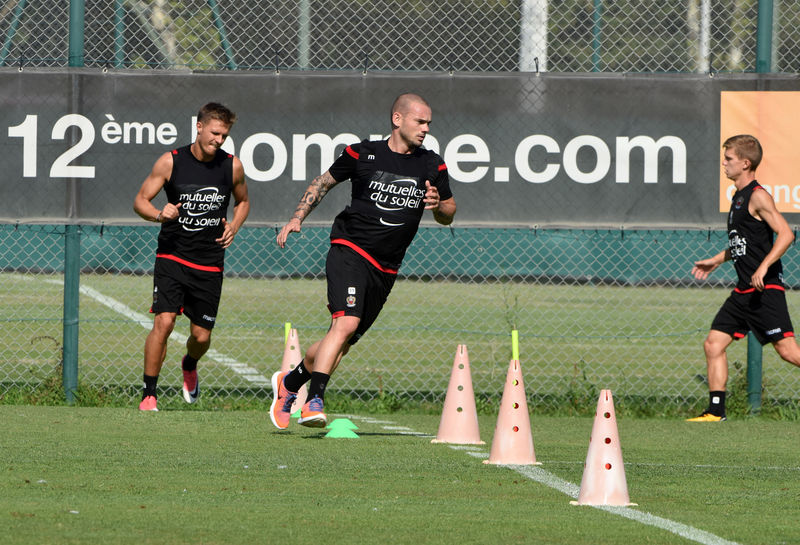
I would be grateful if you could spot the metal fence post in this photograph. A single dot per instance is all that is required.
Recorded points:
(69, 361)
(763, 66)
(754, 354)
(223, 37)
(764, 37)
(76, 15)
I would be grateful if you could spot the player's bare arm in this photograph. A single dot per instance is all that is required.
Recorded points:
(311, 198)
(240, 210)
(763, 206)
(704, 267)
(142, 204)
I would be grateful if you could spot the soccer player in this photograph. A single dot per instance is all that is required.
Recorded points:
(393, 182)
(198, 181)
(758, 303)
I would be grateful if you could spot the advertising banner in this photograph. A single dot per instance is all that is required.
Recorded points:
(521, 148)
(772, 117)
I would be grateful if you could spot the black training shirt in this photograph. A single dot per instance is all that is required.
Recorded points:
(387, 195)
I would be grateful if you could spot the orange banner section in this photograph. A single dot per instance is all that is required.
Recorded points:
(770, 116)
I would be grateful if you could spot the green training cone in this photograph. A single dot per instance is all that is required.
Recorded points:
(342, 428)
(342, 423)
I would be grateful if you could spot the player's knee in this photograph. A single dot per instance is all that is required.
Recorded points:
(345, 326)
(788, 350)
(201, 337)
(712, 348)
(164, 323)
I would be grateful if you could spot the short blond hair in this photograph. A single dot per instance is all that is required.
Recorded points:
(215, 110)
(745, 147)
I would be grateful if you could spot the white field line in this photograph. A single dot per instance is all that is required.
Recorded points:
(688, 466)
(536, 473)
(241, 369)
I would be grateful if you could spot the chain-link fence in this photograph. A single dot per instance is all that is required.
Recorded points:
(449, 35)
(594, 309)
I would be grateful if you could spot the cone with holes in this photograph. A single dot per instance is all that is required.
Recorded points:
(513, 440)
(292, 356)
(603, 480)
(459, 423)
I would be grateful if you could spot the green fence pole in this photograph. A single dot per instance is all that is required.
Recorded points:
(754, 354)
(69, 362)
(763, 66)
(764, 37)
(76, 12)
(223, 37)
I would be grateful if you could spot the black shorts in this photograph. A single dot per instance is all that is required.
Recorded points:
(184, 290)
(765, 313)
(355, 287)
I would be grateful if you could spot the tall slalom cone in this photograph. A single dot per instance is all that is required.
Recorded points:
(459, 423)
(292, 356)
(603, 480)
(513, 440)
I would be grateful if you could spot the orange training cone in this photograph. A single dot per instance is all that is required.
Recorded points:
(513, 441)
(292, 356)
(603, 480)
(459, 423)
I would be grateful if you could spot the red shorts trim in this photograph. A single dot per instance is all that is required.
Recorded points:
(766, 287)
(189, 263)
(363, 254)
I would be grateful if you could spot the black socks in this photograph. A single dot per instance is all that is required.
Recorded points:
(188, 363)
(318, 383)
(297, 377)
(149, 386)
(716, 403)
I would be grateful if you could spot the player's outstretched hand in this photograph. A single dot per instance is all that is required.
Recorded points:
(292, 227)
(431, 196)
(703, 268)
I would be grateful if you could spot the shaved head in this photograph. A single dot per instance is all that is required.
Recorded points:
(403, 103)
(411, 119)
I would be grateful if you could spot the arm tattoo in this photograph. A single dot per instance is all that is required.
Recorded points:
(314, 194)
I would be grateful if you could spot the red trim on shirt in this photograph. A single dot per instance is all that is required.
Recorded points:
(442, 167)
(738, 335)
(350, 152)
(337, 314)
(766, 287)
(364, 254)
(789, 334)
(190, 264)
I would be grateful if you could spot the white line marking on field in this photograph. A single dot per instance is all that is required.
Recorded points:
(241, 369)
(689, 466)
(481, 455)
(572, 490)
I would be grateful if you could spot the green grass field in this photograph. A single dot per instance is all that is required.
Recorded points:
(117, 476)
